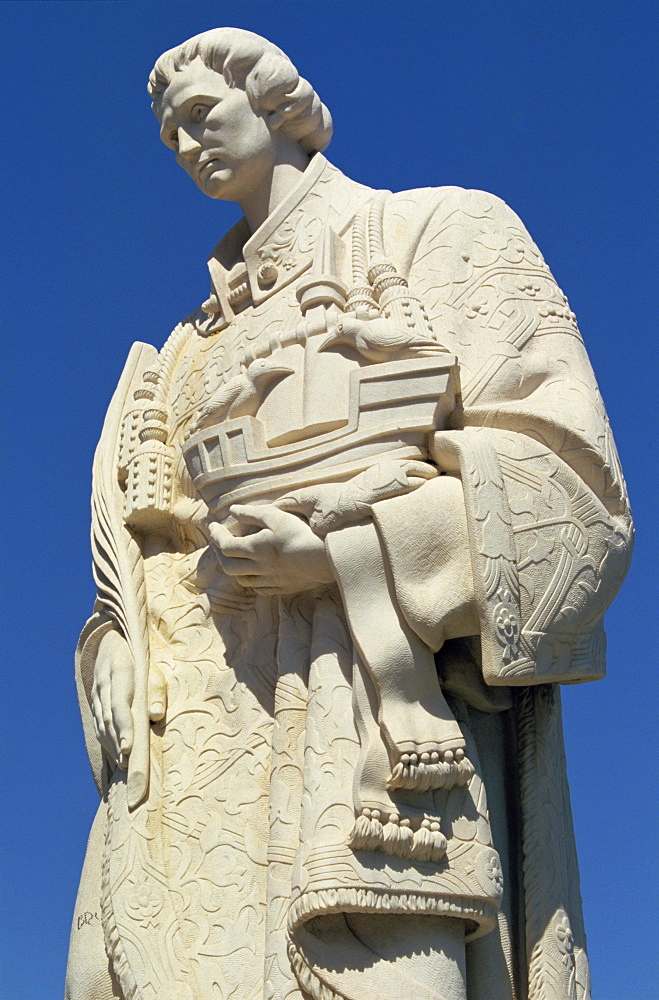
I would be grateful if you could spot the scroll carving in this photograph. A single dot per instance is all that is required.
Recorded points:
(355, 522)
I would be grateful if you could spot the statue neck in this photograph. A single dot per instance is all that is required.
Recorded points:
(291, 163)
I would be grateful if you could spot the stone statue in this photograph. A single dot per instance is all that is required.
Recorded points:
(352, 526)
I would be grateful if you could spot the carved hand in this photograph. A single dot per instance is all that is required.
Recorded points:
(112, 696)
(283, 556)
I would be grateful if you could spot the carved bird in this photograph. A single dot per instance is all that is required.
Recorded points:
(379, 339)
(242, 395)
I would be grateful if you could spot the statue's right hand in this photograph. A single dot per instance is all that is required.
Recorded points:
(113, 690)
(112, 696)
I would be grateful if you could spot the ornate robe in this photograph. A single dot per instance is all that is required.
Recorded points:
(347, 755)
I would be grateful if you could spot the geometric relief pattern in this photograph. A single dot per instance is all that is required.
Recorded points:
(212, 884)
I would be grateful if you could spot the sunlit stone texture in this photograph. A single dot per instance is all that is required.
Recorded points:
(352, 526)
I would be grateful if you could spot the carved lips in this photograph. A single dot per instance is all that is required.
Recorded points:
(201, 166)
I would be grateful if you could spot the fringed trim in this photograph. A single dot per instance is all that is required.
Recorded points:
(429, 842)
(397, 838)
(440, 769)
(367, 833)
(481, 913)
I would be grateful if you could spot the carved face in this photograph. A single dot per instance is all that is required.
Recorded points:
(227, 149)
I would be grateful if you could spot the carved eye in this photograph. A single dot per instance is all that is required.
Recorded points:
(199, 112)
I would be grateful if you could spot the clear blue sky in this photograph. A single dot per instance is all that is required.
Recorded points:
(547, 104)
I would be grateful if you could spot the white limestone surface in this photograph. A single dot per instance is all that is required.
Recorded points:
(352, 526)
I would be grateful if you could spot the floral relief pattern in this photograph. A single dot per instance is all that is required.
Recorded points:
(506, 624)
(246, 838)
(144, 904)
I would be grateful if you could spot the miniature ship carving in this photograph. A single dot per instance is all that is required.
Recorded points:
(392, 409)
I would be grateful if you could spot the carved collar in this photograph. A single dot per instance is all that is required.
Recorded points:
(248, 268)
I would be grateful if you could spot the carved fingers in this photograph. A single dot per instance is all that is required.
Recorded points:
(242, 555)
(301, 501)
(157, 694)
(113, 690)
(418, 472)
(282, 556)
(112, 696)
(328, 506)
(264, 516)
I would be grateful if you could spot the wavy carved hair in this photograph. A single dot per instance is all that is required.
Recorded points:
(263, 71)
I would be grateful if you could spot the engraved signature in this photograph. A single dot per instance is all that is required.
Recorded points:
(87, 918)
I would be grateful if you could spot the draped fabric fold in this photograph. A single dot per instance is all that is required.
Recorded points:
(343, 782)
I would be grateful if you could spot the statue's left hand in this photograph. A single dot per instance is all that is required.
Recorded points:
(282, 556)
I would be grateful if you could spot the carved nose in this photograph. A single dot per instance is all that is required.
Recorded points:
(187, 146)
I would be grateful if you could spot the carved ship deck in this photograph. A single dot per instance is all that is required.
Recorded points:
(393, 407)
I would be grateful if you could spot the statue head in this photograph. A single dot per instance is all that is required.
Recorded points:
(232, 105)
(266, 74)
